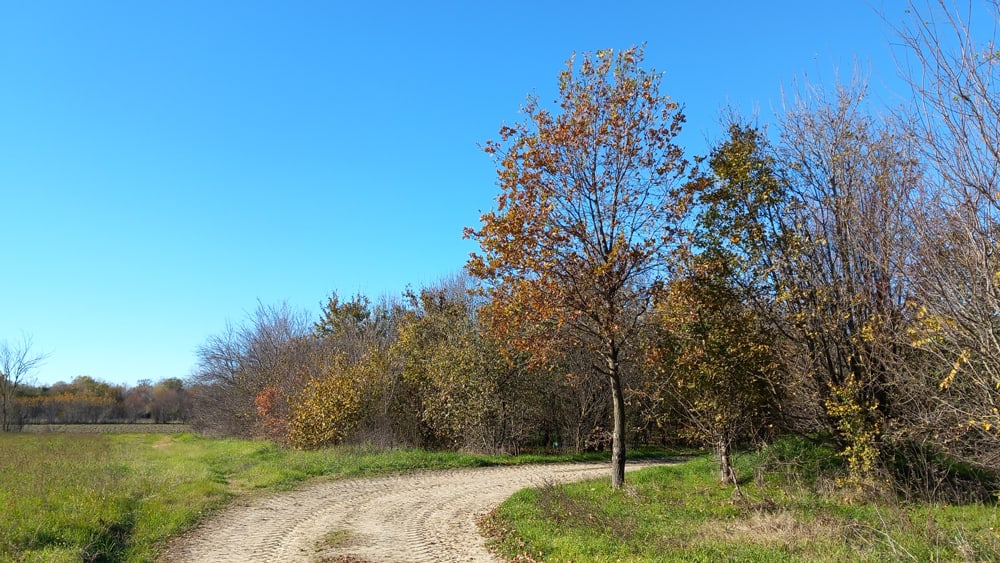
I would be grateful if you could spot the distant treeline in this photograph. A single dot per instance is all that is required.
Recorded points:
(86, 400)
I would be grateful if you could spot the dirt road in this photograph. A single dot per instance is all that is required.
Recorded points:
(427, 516)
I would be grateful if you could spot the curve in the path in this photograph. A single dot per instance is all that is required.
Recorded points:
(415, 517)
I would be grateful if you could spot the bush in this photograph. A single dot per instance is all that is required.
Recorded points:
(797, 460)
(921, 472)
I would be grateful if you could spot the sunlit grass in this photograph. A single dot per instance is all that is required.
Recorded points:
(680, 513)
(73, 497)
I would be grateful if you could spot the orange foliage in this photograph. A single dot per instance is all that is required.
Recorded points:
(267, 408)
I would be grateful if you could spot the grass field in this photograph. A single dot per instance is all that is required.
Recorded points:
(118, 497)
(680, 513)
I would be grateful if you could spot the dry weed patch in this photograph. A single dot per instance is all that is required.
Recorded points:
(781, 527)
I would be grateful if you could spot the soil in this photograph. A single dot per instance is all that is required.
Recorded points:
(412, 517)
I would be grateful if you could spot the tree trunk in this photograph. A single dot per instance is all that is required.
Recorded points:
(726, 474)
(618, 437)
(4, 408)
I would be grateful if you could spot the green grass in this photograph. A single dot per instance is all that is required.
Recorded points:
(73, 497)
(680, 513)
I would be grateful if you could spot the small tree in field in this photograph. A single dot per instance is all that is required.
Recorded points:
(590, 205)
(714, 360)
(16, 364)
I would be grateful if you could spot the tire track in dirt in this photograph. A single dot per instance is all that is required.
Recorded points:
(413, 517)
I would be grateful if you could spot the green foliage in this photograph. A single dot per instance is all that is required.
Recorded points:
(740, 210)
(796, 462)
(343, 317)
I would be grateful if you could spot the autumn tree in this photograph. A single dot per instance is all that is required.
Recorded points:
(330, 406)
(169, 401)
(850, 180)
(747, 230)
(358, 391)
(473, 395)
(590, 206)
(714, 360)
(817, 228)
(951, 57)
(137, 400)
(89, 400)
(853, 179)
(17, 362)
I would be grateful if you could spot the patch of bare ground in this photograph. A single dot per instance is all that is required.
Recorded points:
(414, 517)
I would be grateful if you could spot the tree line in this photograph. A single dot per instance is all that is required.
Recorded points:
(91, 401)
(84, 399)
(415, 370)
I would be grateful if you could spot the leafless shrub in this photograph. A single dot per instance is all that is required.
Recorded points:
(17, 362)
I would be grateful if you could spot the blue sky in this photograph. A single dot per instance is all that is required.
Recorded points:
(165, 165)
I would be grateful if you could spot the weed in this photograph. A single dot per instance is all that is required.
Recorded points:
(336, 538)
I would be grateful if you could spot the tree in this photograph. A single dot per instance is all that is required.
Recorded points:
(358, 392)
(590, 204)
(138, 400)
(17, 362)
(472, 395)
(169, 400)
(266, 353)
(362, 334)
(951, 58)
(852, 181)
(849, 180)
(331, 405)
(715, 360)
(818, 231)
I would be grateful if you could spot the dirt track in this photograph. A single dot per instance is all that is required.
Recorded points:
(427, 516)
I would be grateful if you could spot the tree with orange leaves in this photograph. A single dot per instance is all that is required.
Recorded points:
(592, 200)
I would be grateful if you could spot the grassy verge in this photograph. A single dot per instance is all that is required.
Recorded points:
(117, 497)
(680, 513)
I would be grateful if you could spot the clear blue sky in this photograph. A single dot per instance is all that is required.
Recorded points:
(165, 165)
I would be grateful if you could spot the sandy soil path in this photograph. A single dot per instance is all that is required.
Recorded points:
(415, 517)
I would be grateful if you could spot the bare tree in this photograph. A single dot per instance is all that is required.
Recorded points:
(952, 61)
(852, 181)
(17, 362)
(263, 354)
